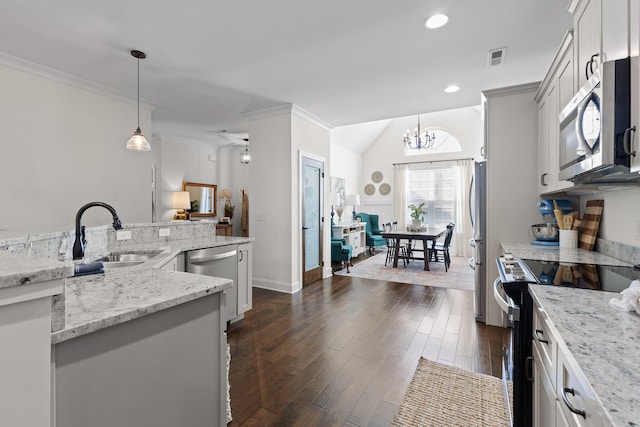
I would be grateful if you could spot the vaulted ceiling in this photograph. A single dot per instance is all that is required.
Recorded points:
(346, 62)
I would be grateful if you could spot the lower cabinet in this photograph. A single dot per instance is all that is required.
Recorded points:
(245, 284)
(562, 396)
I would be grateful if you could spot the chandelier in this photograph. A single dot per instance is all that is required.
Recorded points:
(419, 139)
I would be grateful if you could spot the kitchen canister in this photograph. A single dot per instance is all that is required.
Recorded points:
(568, 238)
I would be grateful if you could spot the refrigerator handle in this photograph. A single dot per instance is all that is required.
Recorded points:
(472, 263)
(469, 199)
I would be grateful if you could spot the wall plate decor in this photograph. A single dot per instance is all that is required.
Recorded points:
(376, 176)
(369, 189)
(384, 189)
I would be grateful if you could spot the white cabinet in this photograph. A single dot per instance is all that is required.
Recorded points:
(555, 92)
(587, 27)
(603, 28)
(175, 264)
(562, 395)
(354, 234)
(245, 283)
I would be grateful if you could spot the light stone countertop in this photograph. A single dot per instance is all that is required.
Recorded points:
(18, 270)
(604, 341)
(99, 301)
(526, 250)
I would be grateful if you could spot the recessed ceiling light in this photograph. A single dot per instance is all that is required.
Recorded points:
(436, 21)
(452, 88)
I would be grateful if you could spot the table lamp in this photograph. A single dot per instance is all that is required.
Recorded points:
(353, 199)
(181, 201)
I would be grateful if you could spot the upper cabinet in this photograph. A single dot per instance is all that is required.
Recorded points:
(602, 32)
(555, 92)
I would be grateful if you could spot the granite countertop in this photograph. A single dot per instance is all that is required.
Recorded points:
(17, 270)
(99, 301)
(604, 341)
(526, 250)
(121, 294)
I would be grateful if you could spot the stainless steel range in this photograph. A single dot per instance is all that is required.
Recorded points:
(512, 294)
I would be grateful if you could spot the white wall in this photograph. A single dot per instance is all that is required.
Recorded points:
(620, 217)
(348, 165)
(465, 124)
(271, 201)
(183, 161)
(63, 147)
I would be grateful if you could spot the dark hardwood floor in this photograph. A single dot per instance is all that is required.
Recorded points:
(343, 350)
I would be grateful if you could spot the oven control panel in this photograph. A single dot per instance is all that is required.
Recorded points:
(513, 269)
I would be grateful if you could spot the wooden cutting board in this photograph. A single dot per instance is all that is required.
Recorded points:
(590, 224)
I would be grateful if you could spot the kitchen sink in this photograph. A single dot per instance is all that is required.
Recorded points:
(127, 259)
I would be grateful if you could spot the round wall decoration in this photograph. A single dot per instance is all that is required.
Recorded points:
(369, 189)
(376, 176)
(384, 189)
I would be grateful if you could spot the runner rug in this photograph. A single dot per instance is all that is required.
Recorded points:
(459, 276)
(442, 395)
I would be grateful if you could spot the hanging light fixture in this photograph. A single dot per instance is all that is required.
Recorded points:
(419, 141)
(138, 142)
(245, 157)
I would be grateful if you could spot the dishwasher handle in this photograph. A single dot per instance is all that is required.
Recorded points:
(216, 257)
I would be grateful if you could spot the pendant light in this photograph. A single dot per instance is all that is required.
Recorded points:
(245, 157)
(138, 142)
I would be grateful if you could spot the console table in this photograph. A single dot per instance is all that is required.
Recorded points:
(354, 234)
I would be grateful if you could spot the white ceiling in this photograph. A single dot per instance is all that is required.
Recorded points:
(346, 62)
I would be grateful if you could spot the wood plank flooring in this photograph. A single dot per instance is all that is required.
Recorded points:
(343, 350)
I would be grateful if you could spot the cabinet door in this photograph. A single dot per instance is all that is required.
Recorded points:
(565, 84)
(635, 114)
(543, 145)
(587, 24)
(245, 286)
(544, 397)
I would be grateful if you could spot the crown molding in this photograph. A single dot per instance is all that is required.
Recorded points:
(279, 110)
(511, 90)
(70, 80)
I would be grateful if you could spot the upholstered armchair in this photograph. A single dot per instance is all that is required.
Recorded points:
(341, 252)
(373, 239)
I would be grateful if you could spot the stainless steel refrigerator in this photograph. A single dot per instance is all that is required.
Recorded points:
(478, 212)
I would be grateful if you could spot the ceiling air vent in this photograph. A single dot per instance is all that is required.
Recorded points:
(497, 56)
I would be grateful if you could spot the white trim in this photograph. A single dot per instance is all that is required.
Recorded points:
(274, 285)
(511, 90)
(282, 109)
(71, 80)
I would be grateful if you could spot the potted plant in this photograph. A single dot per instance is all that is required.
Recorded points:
(228, 208)
(417, 214)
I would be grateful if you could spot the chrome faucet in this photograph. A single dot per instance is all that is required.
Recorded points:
(80, 243)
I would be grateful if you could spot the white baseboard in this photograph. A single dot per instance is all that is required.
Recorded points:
(273, 285)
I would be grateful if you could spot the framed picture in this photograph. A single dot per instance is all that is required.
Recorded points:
(337, 187)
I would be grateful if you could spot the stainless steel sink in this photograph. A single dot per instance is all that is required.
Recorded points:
(127, 259)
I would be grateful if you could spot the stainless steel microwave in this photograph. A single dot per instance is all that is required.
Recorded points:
(594, 125)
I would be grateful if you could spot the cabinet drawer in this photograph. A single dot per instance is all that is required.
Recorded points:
(545, 340)
(574, 391)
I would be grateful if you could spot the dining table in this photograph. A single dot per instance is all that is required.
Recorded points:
(426, 235)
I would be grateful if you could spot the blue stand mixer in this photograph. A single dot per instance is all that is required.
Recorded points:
(546, 234)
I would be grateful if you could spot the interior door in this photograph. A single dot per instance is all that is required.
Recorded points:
(312, 219)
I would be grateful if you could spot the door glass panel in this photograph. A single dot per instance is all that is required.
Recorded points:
(312, 216)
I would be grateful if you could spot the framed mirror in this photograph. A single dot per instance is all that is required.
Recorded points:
(203, 198)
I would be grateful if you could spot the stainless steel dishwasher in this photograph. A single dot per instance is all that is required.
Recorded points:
(221, 261)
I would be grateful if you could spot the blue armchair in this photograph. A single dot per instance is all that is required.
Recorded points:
(373, 231)
(340, 252)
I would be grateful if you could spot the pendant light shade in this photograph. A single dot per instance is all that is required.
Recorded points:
(138, 142)
(245, 157)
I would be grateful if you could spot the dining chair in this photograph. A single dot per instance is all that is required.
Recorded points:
(392, 246)
(443, 247)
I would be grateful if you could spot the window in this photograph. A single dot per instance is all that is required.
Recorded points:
(436, 188)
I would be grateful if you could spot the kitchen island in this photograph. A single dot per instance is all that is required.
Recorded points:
(139, 345)
(600, 341)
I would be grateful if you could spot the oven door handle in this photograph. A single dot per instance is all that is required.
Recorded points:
(507, 305)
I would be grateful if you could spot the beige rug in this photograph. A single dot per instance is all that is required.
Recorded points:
(459, 276)
(442, 395)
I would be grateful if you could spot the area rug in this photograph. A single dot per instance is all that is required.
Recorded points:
(442, 395)
(459, 276)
